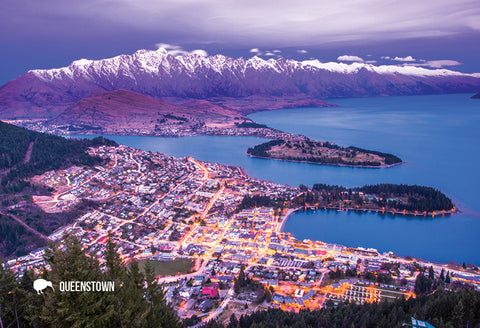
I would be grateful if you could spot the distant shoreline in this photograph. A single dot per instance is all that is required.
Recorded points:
(383, 166)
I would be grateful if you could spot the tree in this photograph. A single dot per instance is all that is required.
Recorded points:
(73, 309)
(115, 268)
(137, 301)
(268, 295)
(233, 321)
(370, 276)
(13, 300)
(240, 281)
(422, 284)
(159, 311)
(431, 273)
(447, 278)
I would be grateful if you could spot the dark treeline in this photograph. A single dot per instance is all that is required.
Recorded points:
(261, 150)
(388, 196)
(178, 118)
(331, 161)
(137, 301)
(260, 201)
(250, 125)
(420, 198)
(441, 309)
(416, 198)
(14, 238)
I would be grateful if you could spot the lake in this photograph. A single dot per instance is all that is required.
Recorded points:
(436, 135)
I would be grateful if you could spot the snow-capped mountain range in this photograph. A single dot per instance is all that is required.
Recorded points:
(45, 93)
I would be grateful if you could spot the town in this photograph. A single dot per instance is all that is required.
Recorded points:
(214, 253)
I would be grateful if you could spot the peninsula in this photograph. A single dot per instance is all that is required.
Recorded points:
(384, 198)
(319, 152)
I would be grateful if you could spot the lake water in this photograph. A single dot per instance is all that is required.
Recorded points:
(437, 137)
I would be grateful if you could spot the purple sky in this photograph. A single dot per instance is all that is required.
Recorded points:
(52, 33)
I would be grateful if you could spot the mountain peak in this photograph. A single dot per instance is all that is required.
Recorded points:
(158, 74)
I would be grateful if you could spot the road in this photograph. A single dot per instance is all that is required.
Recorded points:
(28, 154)
(214, 314)
(26, 226)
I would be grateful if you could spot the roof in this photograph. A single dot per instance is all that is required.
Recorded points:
(420, 324)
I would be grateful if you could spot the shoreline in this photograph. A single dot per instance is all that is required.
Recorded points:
(283, 218)
(259, 132)
(290, 211)
(383, 166)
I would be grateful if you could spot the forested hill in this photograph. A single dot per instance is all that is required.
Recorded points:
(23, 154)
(389, 197)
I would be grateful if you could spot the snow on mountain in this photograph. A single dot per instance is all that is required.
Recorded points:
(158, 74)
(354, 68)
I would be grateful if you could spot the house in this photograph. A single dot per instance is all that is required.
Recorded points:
(205, 305)
(186, 292)
(225, 279)
(197, 280)
(210, 291)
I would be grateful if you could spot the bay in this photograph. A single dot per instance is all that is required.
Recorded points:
(436, 135)
(438, 138)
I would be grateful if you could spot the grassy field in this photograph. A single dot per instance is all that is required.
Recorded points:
(168, 268)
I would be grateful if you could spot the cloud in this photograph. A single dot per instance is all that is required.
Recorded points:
(436, 63)
(410, 61)
(256, 51)
(268, 53)
(167, 46)
(302, 51)
(199, 52)
(277, 51)
(350, 58)
(309, 22)
(371, 61)
(405, 59)
(176, 50)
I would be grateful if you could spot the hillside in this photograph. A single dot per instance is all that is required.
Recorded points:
(477, 96)
(123, 111)
(118, 109)
(23, 154)
(46, 93)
